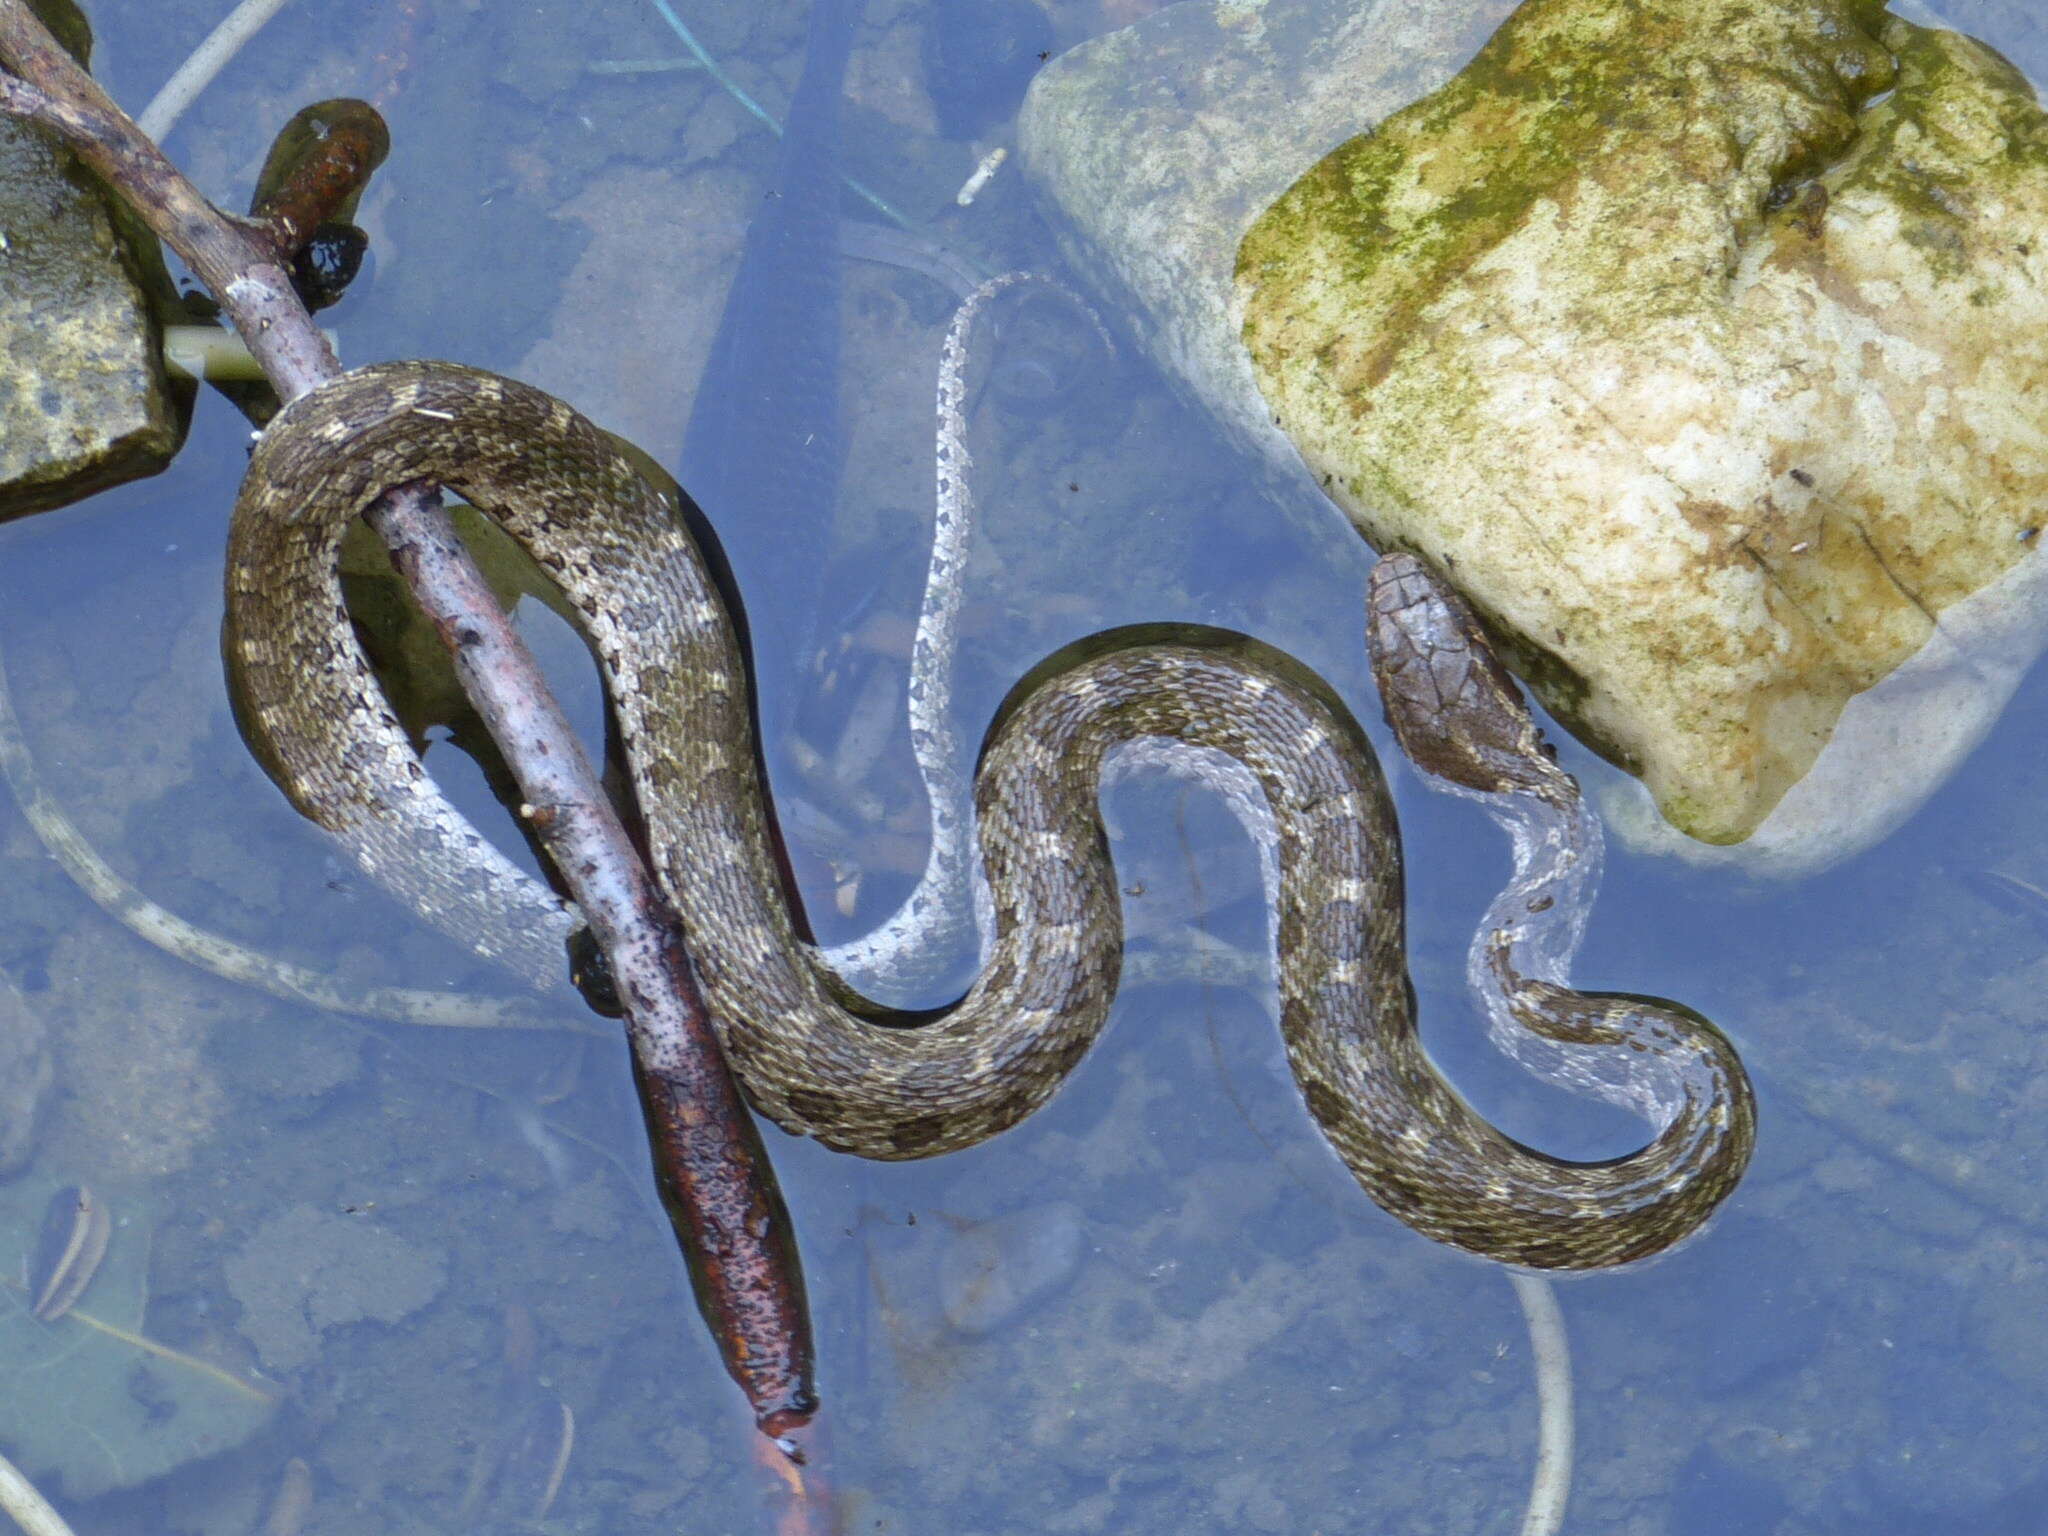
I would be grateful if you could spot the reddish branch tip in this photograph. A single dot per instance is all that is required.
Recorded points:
(781, 1420)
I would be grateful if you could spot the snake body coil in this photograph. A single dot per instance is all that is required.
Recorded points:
(851, 1079)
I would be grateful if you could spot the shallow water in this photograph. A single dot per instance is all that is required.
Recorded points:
(1158, 1306)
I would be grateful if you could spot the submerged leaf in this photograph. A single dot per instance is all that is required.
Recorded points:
(93, 1408)
(68, 1252)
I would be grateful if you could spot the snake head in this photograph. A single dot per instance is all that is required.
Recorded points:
(1452, 705)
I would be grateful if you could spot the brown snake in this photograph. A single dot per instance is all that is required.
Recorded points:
(846, 1074)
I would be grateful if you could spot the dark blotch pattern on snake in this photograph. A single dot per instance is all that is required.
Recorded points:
(818, 1068)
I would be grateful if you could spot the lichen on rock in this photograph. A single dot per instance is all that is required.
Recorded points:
(1702, 342)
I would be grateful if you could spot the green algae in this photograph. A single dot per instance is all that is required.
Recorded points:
(1391, 215)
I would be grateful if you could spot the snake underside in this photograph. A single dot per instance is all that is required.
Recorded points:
(849, 1077)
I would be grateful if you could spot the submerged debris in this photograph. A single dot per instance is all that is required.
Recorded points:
(294, 1501)
(518, 1472)
(2009, 893)
(68, 1253)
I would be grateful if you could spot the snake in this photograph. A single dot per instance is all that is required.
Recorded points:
(819, 1060)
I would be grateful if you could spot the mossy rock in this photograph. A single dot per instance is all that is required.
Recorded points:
(1700, 342)
(84, 403)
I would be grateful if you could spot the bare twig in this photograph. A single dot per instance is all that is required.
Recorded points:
(713, 1170)
(207, 60)
(31, 1511)
(1551, 1486)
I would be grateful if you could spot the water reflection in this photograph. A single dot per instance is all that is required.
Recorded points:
(1234, 1338)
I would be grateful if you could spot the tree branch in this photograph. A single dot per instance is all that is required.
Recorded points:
(714, 1172)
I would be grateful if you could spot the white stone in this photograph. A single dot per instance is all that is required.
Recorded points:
(1584, 395)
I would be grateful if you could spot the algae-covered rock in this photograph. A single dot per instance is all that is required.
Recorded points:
(1712, 378)
(1700, 343)
(83, 400)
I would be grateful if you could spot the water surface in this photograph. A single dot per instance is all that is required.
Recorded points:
(413, 1237)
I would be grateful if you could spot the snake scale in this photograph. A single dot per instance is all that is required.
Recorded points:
(819, 1063)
